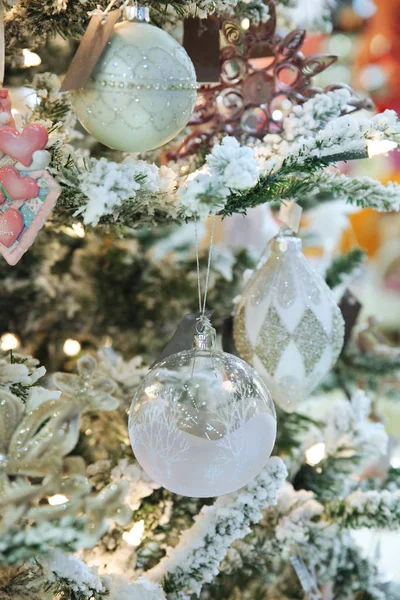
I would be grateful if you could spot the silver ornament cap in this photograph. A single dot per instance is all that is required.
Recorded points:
(285, 241)
(136, 13)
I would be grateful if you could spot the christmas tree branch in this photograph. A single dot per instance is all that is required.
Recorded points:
(346, 446)
(293, 426)
(344, 266)
(359, 191)
(358, 362)
(197, 557)
(317, 20)
(30, 23)
(366, 509)
(305, 183)
(233, 178)
(70, 577)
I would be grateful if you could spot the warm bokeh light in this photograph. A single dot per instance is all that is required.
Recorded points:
(31, 59)
(71, 347)
(134, 536)
(107, 341)
(57, 499)
(376, 147)
(79, 230)
(9, 341)
(315, 454)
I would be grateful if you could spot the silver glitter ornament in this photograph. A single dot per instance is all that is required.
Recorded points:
(202, 422)
(143, 89)
(287, 324)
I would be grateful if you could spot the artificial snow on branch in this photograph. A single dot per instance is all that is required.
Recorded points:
(310, 15)
(344, 446)
(306, 120)
(107, 184)
(342, 138)
(359, 191)
(233, 180)
(367, 509)
(233, 177)
(68, 574)
(30, 23)
(196, 559)
(298, 526)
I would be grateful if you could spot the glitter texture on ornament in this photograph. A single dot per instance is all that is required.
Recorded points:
(143, 89)
(287, 324)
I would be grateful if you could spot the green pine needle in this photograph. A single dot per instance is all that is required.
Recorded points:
(344, 265)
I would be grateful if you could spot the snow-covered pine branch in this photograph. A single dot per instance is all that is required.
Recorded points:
(315, 16)
(367, 509)
(306, 120)
(359, 191)
(68, 574)
(233, 177)
(342, 138)
(196, 559)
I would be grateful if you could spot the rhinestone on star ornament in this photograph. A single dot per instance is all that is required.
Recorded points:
(142, 91)
(287, 323)
(202, 423)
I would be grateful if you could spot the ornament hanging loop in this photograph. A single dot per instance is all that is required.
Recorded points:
(103, 12)
(203, 324)
(205, 338)
(290, 216)
(202, 304)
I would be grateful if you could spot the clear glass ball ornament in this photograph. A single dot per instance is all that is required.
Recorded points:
(287, 323)
(202, 422)
(143, 89)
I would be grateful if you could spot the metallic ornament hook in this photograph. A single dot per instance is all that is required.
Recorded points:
(136, 13)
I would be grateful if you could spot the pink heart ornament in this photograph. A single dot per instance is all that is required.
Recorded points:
(11, 225)
(21, 145)
(28, 232)
(17, 186)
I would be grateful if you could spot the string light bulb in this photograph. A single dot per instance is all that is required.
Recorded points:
(277, 114)
(57, 499)
(79, 230)
(71, 347)
(376, 147)
(9, 341)
(134, 536)
(315, 454)
(31, 59)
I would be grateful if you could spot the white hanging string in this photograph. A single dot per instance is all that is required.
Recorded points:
(197, 263)
(203, 321)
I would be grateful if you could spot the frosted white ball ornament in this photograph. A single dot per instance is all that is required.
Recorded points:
(142, 91)
(287, 324)
(202, 422)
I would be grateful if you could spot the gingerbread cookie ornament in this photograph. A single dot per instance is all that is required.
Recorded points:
(28, 193)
